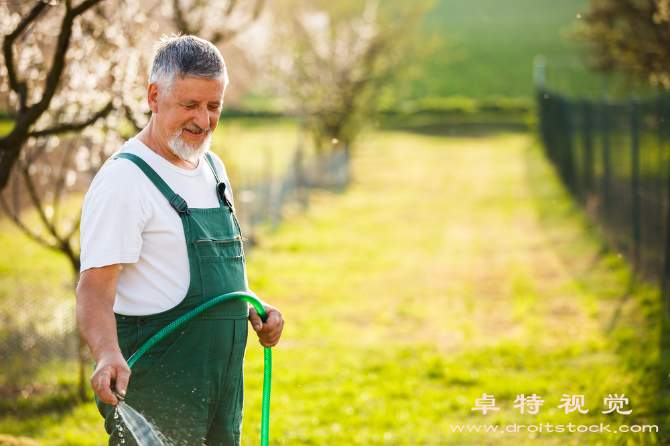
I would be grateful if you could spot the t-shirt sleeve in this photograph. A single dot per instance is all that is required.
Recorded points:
(111, 231)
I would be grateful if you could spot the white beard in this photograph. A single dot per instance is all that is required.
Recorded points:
(184, 151)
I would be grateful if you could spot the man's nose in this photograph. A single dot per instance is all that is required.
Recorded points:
(201, 118)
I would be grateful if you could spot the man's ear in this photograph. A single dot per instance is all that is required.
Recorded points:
(152, 97)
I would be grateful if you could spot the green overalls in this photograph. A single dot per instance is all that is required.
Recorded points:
(190, 385)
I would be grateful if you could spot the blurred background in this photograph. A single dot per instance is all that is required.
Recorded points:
(449, 201)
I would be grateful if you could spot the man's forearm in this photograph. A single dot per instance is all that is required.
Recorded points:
(96, 292)
(95, 317)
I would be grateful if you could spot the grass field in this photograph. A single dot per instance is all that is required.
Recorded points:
(453, 267)
(486, 47)
(457, 279)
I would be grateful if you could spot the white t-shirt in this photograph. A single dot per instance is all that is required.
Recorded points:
(125, 219)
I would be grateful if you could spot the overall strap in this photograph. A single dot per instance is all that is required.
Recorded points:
(210, 162)
(178, 203)
(220, 186)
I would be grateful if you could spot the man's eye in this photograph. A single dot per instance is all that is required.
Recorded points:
(190, 107)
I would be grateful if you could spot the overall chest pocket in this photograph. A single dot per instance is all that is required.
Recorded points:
(222, 267)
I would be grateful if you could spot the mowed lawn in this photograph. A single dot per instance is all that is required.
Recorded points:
(452, 267)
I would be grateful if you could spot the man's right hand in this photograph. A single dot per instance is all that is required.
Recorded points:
(111, 368)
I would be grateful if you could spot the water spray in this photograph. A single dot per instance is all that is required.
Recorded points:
(267, 368)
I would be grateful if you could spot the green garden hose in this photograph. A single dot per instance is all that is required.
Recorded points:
(267, 368)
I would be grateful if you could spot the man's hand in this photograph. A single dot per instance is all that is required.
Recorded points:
(270, 331)
(111, 368)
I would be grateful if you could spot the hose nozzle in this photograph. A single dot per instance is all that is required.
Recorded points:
(118, 397)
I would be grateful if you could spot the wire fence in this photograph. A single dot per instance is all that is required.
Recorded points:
(37, 321)
(37, 326)
(615, 159)
(264, 201)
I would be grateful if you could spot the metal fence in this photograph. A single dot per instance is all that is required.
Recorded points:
(265, 201)
(37, 321)
(37, 326)
(615, 159)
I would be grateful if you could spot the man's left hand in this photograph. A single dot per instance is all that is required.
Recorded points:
(270, 331)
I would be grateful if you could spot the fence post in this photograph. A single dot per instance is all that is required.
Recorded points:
(607, 163)
(543, 109)
(587, 137)
(540, 72)
(302, 186)
(347, 165)
(635, 180)
(268, 183)
(665, 274)
(567, 155)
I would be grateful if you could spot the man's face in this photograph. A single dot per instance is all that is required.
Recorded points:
(187, 116)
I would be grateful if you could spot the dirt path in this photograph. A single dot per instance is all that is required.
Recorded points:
(438, 240)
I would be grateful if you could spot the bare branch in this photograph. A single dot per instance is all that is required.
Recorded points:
(75, 227)
(180, 21)
(22, 225)
(222, 36)
(60, 183)
(10, 145)
(62, 128)
(58, 63)
(231, 7)
(9, 41)
(84, 7)
(31, 157)
(131, 118)
(37, 203)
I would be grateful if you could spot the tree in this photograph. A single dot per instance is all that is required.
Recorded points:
(216, 22)
(67, 69)
(632, 36)
(332, 60)
(55, 70)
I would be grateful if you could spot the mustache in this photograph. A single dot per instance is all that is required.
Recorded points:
(194, 128)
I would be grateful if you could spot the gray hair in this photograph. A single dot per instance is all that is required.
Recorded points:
(185, 56)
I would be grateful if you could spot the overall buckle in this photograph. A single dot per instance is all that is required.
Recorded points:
(179, 205)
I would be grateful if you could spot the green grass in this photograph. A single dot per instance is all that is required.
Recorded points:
(452, 267)
(486, 48)
(446, 273)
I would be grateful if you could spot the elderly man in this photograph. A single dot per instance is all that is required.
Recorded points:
(159, 237)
